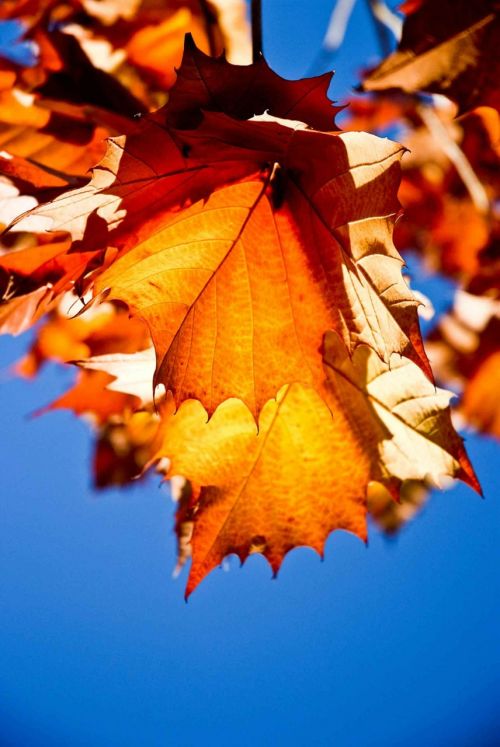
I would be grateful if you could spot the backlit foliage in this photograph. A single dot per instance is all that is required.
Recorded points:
(228, 278)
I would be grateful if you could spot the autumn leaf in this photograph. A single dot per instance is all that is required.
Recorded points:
(124, 445)
(374, 422)
(32, 178)
(132, 372)
(465, 351)
(212, 299)
(449, 47)
(19, 313)
(242, 91)
(154, 157)
(29, 260)
(391, 515)
(238, 289)
(449, 191)
(40, 260)
(248, 505)
(57, 137)
(90, 396)
(67, 336)
(55, 115)
(133, 43)
(400, 415)
(252, 243)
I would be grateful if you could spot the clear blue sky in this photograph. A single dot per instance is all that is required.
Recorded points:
(394, 645)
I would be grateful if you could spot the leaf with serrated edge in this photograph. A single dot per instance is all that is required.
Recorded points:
(399, 415)
(238, 291)
(301, 475)
(306, 470)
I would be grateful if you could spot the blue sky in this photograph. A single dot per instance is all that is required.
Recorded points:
(397, 644)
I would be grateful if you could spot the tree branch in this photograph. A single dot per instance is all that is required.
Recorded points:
(334, 36)
(457, 157)
(387, 25)
(256, 30)
(209, 21)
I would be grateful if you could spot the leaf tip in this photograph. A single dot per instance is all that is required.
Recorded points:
(469, 477)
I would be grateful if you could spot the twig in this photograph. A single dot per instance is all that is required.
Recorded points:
(387, 24)
(457, 157)
(334, 35)
(337, 25)
(209, 22)
(256, 30)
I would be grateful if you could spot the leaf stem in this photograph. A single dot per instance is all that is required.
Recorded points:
(209, 22)
(256, 30)
(457, 157)
(388, 25)
(337, 25)
(334, 36)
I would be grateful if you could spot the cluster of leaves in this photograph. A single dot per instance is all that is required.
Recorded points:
(227, 280)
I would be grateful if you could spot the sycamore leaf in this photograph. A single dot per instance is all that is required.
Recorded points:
(150, 166)
(449, 47)
(402, 417)
(251, 242)
(241, 91)
(375, 422)
(238, 292)
(238, 289)
(249, 504)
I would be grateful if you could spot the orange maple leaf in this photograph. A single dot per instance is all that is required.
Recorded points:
(255, 241)
(306, 469)
(269, 489)
(239, 288)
